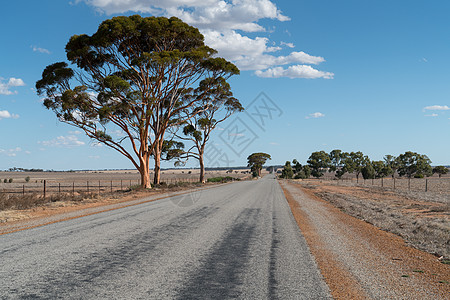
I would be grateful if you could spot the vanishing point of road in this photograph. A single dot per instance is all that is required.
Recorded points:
(234, 241)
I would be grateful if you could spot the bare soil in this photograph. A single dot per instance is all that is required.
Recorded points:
(357, 259)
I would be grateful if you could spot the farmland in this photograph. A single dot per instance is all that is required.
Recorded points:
(95, 181)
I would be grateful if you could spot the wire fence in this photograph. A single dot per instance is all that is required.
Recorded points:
(51, 187)
(434, 184)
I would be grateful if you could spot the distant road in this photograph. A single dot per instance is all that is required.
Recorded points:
(238, 240)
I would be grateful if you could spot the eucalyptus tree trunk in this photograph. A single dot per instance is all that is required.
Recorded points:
(157, 169)
(202, 168)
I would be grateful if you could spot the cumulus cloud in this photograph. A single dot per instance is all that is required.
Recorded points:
(10, 152)
(40, 50)
(219, 21)
(315, 115)
(432, 115)
(6, 86)
(437, 107)
(4, 114)
(68, 141)
(296, 71)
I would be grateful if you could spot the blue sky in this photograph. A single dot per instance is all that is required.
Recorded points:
(350, 75)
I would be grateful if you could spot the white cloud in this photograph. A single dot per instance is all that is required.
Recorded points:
(68, 141)
(4, 114)
(251, 54)
(315, 115)
(219, 20)
(290, 45)
(296, 71)
(432, 115)
(40, 50)
(12, 82)
(10, 152)
(76, 132)
(437, 107)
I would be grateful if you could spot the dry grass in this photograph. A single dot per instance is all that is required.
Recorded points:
(20, 202)
(421, 220)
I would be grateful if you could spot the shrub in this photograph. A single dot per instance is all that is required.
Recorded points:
(222, 179)
(27, 179)
(5, 180)
(10, 180)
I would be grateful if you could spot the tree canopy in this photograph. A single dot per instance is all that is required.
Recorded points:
(414, 164)
(256, 161)
(132, 78)
(318, 162)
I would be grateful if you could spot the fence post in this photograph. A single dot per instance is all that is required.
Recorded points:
(426, 185)
(23, 189)
(59, 188)
(45, 185)
(120, 184)
(87, 186)
(73, 188)
(111, 186)
(382, 184)
(99, 187)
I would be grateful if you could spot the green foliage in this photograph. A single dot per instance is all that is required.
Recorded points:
(256, 161)
(392, 162)
(287, 172)
(222, 179)
(441, 170)
(10, 180)
(368, 171)
(297, 167)
(27, 179)
(5, 180)
(382, 169)
(411, 164)
(318, 162)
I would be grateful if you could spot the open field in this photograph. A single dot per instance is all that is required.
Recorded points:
(95, 181)
(421, 218)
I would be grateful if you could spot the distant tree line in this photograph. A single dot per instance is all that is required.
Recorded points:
(409, 164)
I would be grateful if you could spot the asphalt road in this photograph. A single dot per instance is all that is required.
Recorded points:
(235, 241)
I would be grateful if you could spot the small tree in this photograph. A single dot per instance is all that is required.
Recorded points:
(318, 162)
(414, 164)
(355, 162)
(27, 179)
(381, 169)
(337, 158)
(368, 171)
(297, 167)
(287, 171)
(256, 161)
(392, 162)
(441, 170)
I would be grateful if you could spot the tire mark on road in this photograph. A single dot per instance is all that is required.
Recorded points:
(220, 275)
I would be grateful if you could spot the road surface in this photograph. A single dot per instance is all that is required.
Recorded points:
(234, 241)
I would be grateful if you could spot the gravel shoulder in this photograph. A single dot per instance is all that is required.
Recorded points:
(360, 261)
